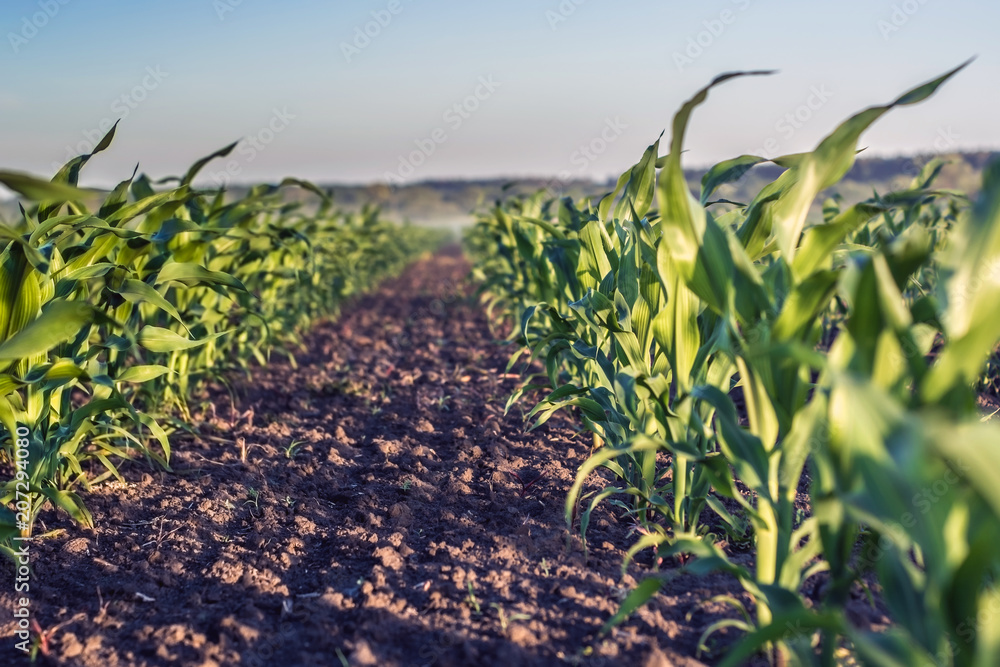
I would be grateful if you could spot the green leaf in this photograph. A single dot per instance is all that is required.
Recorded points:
(37, 189)
(140, 374)
(194, 274)
(147, 204)
(826, 165)
(136, 291)
(783, 626)
(699, 249)
(973, 448)
(819, 241)
(70, 503)
(599, 458)
(971, 319)
(637, 597)
(59, 322)
(197, 166)
(156, 339)
(726, 172)
(640, 187)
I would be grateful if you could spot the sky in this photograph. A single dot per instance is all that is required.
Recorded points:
(412, 90)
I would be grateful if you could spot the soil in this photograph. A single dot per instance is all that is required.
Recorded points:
(370, 504)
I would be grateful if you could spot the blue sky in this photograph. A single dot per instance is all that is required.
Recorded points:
(544, 88)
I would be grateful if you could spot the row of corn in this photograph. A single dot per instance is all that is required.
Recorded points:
(113, 315)
(728, 355)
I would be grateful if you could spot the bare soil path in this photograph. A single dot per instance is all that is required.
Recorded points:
(367, 507)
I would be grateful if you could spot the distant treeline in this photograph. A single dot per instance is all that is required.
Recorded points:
(450, 202)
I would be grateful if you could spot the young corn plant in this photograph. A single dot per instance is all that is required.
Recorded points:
(703, 336)
(113, 313)
(907, 457)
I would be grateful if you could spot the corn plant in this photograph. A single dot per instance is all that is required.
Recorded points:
(112, 316)
(676, 312)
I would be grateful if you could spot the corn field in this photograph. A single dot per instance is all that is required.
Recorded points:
(783, 392)
(726, 356)
(112, 317)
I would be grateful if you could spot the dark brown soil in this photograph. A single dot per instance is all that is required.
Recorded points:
(343, 512)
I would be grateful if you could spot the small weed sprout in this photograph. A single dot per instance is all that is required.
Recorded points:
(472, 601)
(505, 620)
(290, 451)
(253, 498)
